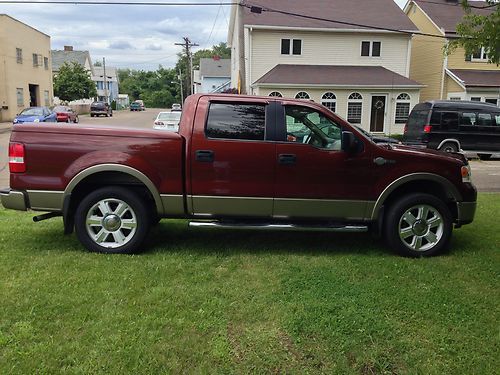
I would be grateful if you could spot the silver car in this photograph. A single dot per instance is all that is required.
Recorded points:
(167, 121)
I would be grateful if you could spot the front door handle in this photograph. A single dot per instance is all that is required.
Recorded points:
(206, 156)
(382, 161)
(287, 159)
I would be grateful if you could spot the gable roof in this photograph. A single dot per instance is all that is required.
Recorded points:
(447, 15)
(477, 78)
(335, 75)
(215, 68)
(375, 13)
(61, 57)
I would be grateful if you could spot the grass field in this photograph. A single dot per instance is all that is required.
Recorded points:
(203, 301)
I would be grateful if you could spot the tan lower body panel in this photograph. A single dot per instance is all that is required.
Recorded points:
(207, 206)
(41, 200)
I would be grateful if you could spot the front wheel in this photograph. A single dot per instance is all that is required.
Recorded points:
(449, 147)
(418, 225)
(112, 220)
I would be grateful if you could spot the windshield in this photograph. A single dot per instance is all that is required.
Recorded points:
(32, 112)
(60, 109)
(173, 116)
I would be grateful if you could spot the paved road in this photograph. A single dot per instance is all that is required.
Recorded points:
(485, 174)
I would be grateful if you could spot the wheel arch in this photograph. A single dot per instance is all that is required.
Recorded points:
(449, 140)
(418, 183)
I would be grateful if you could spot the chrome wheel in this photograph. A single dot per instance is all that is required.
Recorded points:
(111, 223)
(421, 227)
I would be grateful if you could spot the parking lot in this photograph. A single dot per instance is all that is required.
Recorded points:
(485, 174)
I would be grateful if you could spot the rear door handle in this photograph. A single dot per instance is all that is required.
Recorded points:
(287, 159)
(206, 156)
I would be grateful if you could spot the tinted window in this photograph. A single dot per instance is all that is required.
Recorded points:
(484, 119)
(417, 119)
(497, 118)
(285, 46)
(449, 120)
(236, 121)
(297, 46)
(365, 48)
(376, 49)
(468, 118)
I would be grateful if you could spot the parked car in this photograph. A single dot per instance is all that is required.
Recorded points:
(65, 114)
(100, 109)
(35, 114)
(167, 121)
(176, 107)
(455, 126)
(137, 105)
(376, 137)
(251, 162)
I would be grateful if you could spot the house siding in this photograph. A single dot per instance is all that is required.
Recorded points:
(342, 95)
(327, 48)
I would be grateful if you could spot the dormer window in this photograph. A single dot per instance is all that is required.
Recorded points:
(291, 47)
(369, 48)
(480, 55)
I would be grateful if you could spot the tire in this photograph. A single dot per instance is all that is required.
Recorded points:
(76, 120)
(484, 156)
(449, 147)
(418, 225)
(91, 115)
(112, 220)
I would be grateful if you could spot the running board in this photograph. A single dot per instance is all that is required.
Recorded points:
(278, 227)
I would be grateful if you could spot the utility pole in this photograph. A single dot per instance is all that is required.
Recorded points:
(187, 47)
(182, 94)
(105, 83)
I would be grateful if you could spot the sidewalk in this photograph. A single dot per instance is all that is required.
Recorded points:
(5, 127)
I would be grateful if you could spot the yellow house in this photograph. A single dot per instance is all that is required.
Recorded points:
(456, 76)
(25, 68)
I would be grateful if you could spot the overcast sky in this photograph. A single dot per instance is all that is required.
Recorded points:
(138, 37)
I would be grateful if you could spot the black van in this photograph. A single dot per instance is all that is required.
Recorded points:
(455, 125)
(100, 108)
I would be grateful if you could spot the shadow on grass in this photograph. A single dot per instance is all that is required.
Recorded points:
(177, 237)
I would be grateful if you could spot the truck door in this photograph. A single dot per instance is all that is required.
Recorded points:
(314, 178)
(231, 160)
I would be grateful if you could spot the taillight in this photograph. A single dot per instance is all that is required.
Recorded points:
(16, 158)
(427, 128)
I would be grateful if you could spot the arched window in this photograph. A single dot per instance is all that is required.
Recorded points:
(402, 108)
(276, 94)
(302, 95)
(329, 100)
(354, 108)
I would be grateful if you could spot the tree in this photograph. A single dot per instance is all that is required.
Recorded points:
(72, 82)
(479, 28)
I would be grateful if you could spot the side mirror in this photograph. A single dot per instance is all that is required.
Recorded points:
(349, 142)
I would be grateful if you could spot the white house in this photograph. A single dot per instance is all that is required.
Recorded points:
(358, 66)
(214, 75)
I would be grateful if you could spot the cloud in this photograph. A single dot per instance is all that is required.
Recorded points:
(154, 47)
(121, 45)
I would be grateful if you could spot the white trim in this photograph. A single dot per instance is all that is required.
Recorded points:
(323, 29)
(408, 58)
(329, 86)
(455, 78)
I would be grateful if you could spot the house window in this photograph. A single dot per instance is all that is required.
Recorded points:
(480, 55)
(291, 46)
(46, 97)
(37, 60)
(329, 100)
(19, 55)
(46, 63)
(402, 108)
(276, 94)
(370, 48)
(491, 100)
(20, 97)
(354, 108)
(475, 99)
(302, 95)
(455, 98)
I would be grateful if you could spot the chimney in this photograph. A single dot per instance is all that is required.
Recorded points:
(68, 48)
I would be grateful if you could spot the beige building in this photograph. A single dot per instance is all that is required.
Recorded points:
(25, 68)
(457, 76)
(360, 73)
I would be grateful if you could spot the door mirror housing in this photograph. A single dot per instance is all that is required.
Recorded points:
(349, 142)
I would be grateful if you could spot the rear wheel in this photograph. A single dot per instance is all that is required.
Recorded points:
(449, 147)
(418, 225)
(112, 220)
(484, 156)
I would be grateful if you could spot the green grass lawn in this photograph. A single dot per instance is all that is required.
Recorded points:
(220, 301)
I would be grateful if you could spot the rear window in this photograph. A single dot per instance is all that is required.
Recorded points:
(236, 121)
(417, 119)
(98, 105)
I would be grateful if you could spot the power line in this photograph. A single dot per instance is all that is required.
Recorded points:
(458, 4)
(135, 3)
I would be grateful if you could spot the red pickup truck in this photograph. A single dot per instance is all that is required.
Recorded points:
(238, 162)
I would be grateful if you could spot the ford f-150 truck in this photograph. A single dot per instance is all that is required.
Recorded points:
(238, 162)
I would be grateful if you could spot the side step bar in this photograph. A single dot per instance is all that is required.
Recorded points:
(278, 227)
